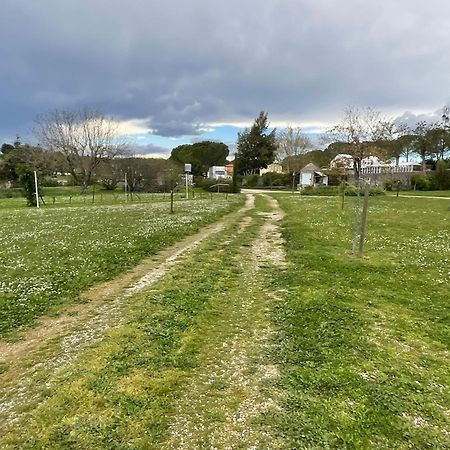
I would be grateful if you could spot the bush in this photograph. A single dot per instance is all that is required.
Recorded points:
(388, 185)
(421, 182)
(442, 175)
(49, 182)
(250, 180)
(276, 179)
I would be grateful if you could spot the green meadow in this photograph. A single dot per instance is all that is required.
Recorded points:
(269, 335)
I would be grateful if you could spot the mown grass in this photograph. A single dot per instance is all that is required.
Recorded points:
(50, 255)
(363, 344)
(426, 193)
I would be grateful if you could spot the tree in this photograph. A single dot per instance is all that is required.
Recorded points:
(201, 155)
(291, 143)
(442, 175)
(85, 137)
(360, 129)
(423, 141)
(256, 148)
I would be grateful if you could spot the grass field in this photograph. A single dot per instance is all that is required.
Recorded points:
(50, 255)
(251, 345)
(364, 344)
(71, 196)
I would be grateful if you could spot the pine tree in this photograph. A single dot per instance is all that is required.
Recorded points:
(256, 147)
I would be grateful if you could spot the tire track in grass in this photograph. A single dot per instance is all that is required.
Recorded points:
(70, 335)
(225, 403)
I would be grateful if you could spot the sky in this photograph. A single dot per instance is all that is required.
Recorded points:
(180, 71)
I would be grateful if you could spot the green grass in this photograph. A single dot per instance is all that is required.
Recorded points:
(361, 346)
(425, 193)
(125, 391)
(364, 343)
(50, 255)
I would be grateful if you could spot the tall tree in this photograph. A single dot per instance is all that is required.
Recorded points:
(256, 148)
(201, 155)
(85, 137)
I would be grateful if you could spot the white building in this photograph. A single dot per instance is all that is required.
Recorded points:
(218, 172)
(311, 176)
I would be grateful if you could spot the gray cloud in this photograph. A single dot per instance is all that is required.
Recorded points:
(182, 64)
(150, 150)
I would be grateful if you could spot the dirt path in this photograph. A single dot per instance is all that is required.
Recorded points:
(223, 404)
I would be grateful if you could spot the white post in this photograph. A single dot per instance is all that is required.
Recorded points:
(187, 189)
(36, 189)
(126, 187)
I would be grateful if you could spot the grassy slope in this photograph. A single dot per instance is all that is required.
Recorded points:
(364, 344)
(49, 256)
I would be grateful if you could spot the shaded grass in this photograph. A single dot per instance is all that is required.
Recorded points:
(364, 344)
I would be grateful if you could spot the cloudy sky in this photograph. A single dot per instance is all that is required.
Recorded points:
(178, 71)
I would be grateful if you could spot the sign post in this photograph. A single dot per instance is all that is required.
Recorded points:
(187, 170)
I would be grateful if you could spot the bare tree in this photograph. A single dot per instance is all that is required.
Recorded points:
(85, 137)
(291, 143)
(360, 128)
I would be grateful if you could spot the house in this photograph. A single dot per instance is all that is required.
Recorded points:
(274, 167)
(218, 172)
(310, 175)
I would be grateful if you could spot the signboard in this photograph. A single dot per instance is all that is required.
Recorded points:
(188, 167)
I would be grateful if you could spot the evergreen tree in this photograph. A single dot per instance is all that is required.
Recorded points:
(256, 148)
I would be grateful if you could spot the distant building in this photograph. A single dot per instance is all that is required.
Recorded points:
(310, 175)
(229, 169)
(218, 172)
(274, 168)
(376, 170)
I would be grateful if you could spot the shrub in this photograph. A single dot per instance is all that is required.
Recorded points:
(250, 180)
(442, 175)
(421, 182)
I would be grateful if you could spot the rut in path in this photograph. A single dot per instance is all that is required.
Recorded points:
(84, 325)
(227, 396)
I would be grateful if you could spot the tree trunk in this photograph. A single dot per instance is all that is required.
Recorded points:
(363, 221)
(356, 221)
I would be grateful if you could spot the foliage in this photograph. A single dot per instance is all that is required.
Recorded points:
(251, 180)
(256, 148)
(202, 155)
(26, 179)
(276, 179)
(421, 182)
(442, 175)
